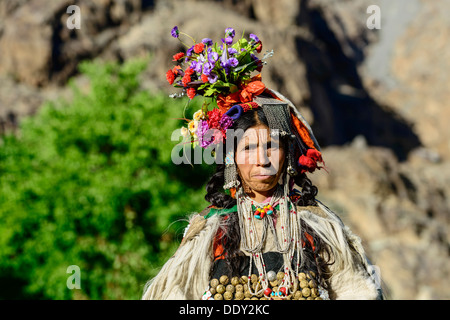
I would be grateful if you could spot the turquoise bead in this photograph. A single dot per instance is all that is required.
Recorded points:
(269, 212)
(258, 217)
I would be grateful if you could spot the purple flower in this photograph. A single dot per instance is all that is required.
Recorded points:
(188, 53)
(198, 65)
(202, 129)
(227, 63)
(254, 37)
(232, 62)
(207, 41)
(207, 67)
(193, 64)
(232, 51)
(223, 61)
(225, 122)
(228, 40)
(213, 57)
(229, 32)
(212, 78)
(175, 33)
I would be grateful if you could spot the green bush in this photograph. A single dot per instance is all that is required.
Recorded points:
(91, 183)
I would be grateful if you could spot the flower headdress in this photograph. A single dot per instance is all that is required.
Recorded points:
(222, 72)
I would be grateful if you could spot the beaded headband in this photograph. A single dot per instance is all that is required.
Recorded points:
(221, 72)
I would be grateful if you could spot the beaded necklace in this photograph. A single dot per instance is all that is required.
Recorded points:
(253, 243)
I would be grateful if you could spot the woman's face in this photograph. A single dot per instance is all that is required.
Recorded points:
(260, 161)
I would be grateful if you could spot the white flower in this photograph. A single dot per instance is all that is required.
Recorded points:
(199, 115)
(184, 131)
(193, 125)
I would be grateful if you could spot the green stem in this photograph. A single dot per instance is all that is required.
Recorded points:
(193, 40)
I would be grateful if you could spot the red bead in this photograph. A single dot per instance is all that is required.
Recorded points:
(267, 292)
(283, 290)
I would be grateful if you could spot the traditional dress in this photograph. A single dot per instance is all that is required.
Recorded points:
(187, 275)
(286, 251)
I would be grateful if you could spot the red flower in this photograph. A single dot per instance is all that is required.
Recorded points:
(307, 163)
(176, 69)
(245, 96)
(314, 154)
(178, 56)
(252, 89)
(259, 66)
(214, 117)
(256, 87)
(259, 47)
(191, 93)
(170, 76)
(198, 48)
(226, 102)
(204, 78)
(189, 71)
(186, 79)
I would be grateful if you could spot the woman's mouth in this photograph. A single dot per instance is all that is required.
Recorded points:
(262, 176)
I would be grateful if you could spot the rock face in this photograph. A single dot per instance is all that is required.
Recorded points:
(375, 99)
(400, 210)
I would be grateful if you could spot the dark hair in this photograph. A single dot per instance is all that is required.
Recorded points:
(231, 237)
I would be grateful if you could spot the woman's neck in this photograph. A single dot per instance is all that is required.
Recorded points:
(260, 196)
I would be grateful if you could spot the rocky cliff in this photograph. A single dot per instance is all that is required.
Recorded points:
(376, 99)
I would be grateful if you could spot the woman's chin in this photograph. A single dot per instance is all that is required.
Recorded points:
(263, 185)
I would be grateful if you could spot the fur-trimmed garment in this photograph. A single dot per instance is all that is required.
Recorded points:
(186, 274)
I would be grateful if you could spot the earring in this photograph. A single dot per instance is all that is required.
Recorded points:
(291, 168)
(230, 172)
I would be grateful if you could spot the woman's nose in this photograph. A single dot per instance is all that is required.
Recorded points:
(261, 157)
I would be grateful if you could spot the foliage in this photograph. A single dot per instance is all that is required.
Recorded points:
(91, 183)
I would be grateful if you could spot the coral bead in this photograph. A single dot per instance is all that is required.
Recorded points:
(267, 292)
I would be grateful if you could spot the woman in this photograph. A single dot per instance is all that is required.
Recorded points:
(266, 236)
